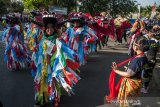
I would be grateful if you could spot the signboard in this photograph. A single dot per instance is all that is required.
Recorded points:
(58, 10)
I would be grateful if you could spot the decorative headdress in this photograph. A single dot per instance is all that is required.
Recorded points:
(36, 18)
(45, 18)
(104, 14)
(117, 22)
(77, 16)
(13, 19)
(35, 13)
(49, 18)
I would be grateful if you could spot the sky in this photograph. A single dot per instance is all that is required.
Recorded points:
(148, 2)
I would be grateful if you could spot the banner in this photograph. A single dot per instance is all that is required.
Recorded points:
(58, 10)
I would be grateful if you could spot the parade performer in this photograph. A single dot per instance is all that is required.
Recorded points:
(156, 30)
(79, 36)
(121, 24)
(126, 25)
(16, 54)
(91, 40)
(131, 81)
(34, 32)
(119, 31)
(136, 31)
(103, 28)
(53, 64)
(93, 23)
(151, 55)
(106, 30)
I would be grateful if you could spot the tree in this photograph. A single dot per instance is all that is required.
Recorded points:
(146, 11)
(34, 4)
(117, 7)
(158, 8)
(17, 7)
(94, 6)
(4, 6)
(3, 9)
(123, 7)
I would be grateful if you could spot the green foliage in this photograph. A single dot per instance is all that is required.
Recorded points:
(93, 6)
(146, 11)
(8, 6)
(117, 7)
(158, 8)
(124, 7)
(34, 4)
(17, 7)
(3, 8)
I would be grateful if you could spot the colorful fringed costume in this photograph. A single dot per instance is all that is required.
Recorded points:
(34, 35)
(16, 54)
(34, 32)
(53, 67)
(81, 39)
(91, 40)
(77, 38)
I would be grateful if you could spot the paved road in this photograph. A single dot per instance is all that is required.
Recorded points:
(16, 88)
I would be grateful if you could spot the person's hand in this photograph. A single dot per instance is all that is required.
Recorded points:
(114, 66)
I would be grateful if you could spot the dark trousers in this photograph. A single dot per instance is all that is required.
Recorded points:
(148, 73)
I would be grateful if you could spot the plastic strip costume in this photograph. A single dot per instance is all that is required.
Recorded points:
(81, 39)
(53, 67)
(15, 54)
(34, 32)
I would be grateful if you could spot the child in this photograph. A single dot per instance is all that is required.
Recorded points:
(16, 54)
(80, 37)
(131, 82)
(53, 65)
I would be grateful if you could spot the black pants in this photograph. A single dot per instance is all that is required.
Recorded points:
(125, 36)
(148, 73)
